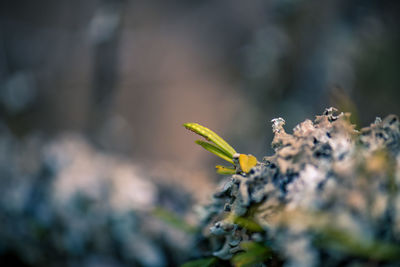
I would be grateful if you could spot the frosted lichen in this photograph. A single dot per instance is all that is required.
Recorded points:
(329, 195)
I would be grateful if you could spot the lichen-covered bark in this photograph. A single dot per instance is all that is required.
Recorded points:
(329, 196)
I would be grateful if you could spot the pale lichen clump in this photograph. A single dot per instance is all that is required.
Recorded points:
(330, 194)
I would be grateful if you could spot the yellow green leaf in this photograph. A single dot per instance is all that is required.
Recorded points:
(211, 136)
(247, 223)
(254, 255)
(247, 162)
(215, 150)
(225, 170)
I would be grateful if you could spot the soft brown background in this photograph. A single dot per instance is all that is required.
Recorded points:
(127, 74)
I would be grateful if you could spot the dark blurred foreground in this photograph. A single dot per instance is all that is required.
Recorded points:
(65, 204)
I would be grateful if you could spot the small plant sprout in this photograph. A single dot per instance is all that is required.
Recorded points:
(219, 147)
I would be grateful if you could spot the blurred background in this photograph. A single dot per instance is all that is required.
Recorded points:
(93, 95)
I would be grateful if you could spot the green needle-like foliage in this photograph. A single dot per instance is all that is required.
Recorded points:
(225, 170)
(211, 136)
(222, 149)
(215, 150)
